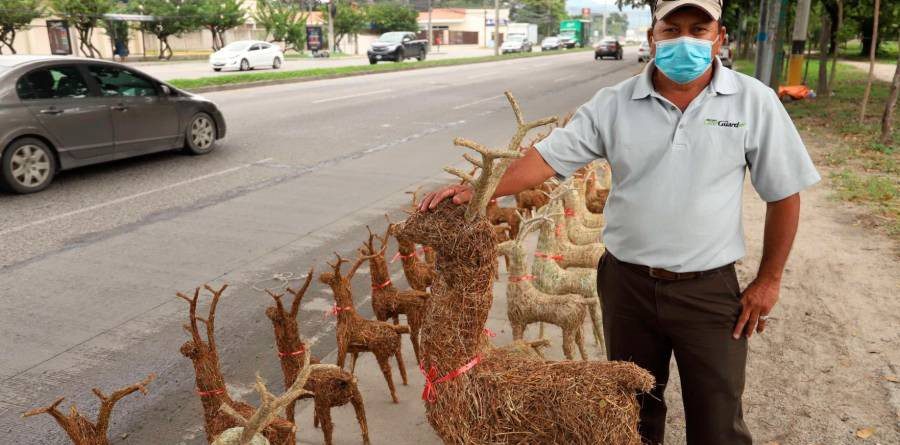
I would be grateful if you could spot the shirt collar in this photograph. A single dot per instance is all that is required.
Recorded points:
(723, 81)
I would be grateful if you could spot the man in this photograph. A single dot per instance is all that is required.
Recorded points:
(679, 138)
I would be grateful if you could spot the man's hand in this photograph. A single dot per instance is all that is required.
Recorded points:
(758, 299)
(461, 194)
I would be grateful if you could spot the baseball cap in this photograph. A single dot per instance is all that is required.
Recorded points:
(665, 7)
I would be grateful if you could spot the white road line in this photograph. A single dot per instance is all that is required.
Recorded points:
(560, 79)
(458, 107)
(128, 198)
(478, 76)
(351, 96)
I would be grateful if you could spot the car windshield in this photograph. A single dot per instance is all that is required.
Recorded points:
(550, 40)
(392, 37)
(236, 46)
(516, 38)
(608, 42)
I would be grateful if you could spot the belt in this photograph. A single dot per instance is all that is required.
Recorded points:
(668, 275)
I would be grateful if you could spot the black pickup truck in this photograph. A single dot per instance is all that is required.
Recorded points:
(396, 46)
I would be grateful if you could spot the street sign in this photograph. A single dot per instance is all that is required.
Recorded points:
(58, 33)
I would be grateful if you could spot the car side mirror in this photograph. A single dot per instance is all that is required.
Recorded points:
(167, 90)
(406, 39)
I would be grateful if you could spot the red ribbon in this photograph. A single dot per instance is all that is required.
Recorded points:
(569, 212)
(428, 394)
(559, 228)
(213, 392)
(489, 333)
(414, 253)
(336, 310)
(548, 256)
(382, 285)
(518, 278)
(292, 354)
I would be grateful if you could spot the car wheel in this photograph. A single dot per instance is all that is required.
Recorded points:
(217, 69)
(276, 63)
(28, 166)
(245, 65)
(200, 134)
(421, 55)
(400, 56)
(372, 61)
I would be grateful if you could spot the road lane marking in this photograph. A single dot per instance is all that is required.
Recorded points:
(129, 198)
(351, 96)
(459, 107)
(560, 79)
(478, 76)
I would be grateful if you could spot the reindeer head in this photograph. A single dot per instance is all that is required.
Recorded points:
(196, 348)
(340, 285)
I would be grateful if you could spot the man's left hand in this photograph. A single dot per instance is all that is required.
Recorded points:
(757, 300)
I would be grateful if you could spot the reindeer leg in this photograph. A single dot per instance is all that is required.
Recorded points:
(414, 327)
(595, 322)
(399, 355)
(323, 412)
(518, 330)
(342, 354)
(541, 330)
(357, 401)
(386, 370)
(579, 340)
(353, 357)
(567, 343)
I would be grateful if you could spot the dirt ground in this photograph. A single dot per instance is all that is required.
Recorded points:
(826, 369)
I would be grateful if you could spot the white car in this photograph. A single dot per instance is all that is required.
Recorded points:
(644, 52)
(515, 44)
(245, 55)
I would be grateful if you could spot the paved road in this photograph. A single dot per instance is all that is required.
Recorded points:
(88, 268)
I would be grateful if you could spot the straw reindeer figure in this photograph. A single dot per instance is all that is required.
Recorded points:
(525, 304)
(577, 231)
(251, 425)
(503, 215)
(356, 334)
(576, 207)
(419, 274)
(82, 431)
(329, 387)
(210, 382)
(388, 302)
(595, 195)
(534, 198)
(483, 395)
(555, 240)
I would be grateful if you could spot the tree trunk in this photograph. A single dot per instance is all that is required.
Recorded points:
(824, 37)
(834, 48)
(865, 99)
(887, 119)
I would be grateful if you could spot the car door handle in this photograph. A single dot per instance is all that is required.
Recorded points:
(119, 107)
(53, 111)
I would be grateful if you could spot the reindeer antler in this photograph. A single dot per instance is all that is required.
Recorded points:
(530, 223)
(298, 294)
(485, 184)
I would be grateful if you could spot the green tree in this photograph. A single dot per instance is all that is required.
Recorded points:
(348, 20)
(84, 15)
(219, 16)
(545, 13)
(284, 20)
(385, 17)
(173, 18)
(616, 24)
(16, 15)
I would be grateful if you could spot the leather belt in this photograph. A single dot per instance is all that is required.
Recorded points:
(663, 274)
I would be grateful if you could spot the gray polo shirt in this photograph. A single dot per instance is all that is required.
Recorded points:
(677, 177)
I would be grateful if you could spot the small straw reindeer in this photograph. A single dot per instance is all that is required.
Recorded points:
(249, 426)
(82, 431)
(595, 195)
(576, 201)
(526, 304)
(356, 334)
(555, 240)
(419, 274)
(578, 232)
(503, 215)
(210, 382)
(388, 302)
(329, 387)
(482, 395)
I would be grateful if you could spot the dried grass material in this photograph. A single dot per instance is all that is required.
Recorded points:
(503, 215)
(507, 397)
(210, 382)
(501, 233)
(532, 199)
(329, 387)
(526, 305)
(388, 302)
(419, 274)
(356, 334)
(576, 230)
(82, 431)
(575, 200)
(553, 239)
(595, 195)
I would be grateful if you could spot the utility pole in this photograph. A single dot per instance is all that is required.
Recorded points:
(767, 41)
(331, 12)
(430, 36)
(496, 27)
(798, 43)
(778, 47)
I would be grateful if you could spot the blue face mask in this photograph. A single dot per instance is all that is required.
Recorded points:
(683, 59)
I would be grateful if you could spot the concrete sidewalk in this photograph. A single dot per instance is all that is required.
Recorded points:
(883, 71)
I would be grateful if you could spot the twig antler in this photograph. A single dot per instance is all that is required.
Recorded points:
(531, 223)
(210, 319)
(485, 184)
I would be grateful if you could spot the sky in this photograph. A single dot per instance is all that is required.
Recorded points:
(636, 17)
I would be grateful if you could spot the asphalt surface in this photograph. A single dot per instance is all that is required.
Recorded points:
(89, 268)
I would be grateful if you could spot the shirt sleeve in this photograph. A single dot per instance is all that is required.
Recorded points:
(778, 161)
(569, 148)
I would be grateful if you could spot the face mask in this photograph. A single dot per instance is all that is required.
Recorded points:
(683, 59)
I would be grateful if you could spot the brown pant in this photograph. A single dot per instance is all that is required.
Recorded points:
(646, 319)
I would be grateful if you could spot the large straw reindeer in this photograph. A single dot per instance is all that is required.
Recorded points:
(210, 382)
(329, 387)
(388, 302)
(525, 304)
(479, 395)
(356, 334)
(82, 431)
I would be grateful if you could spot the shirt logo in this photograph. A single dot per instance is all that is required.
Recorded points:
(721, 123)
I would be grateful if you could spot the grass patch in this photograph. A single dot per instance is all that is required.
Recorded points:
(887, 52)
(317, 73)
(863, 170)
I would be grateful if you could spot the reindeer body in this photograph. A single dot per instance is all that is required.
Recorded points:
(555, 240)
(574, 200)
(356, 334)
(419, 274)
(498, 215)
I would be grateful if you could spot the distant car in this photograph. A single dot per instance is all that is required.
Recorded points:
(397, 46)
(608, 48)
(550, 43)
(245, 55)
(58, 113)
(725, 54)
(516, 43)
(644, 52)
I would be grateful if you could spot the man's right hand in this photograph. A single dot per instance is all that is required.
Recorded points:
(461, 194)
